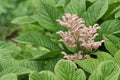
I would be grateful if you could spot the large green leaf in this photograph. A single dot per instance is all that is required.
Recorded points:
(9, 77)
(43, 75)
(113, 8)
(109, 27)
(107, 70)
(46, 16)
(38, 39)
(91, 64)
(95, 12)
(76, 7)
(117, 57)
(112, 43)
(24, 20)
(67, 70)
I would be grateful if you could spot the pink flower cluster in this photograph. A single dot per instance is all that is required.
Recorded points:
(78, 35)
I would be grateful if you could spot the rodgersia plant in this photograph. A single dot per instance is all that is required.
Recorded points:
(79, 38)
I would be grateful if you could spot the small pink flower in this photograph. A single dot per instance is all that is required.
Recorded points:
(78, 34)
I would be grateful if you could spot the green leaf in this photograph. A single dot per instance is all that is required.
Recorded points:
(24, 20)
(92, 1)
(95, 12)
(113, 1)
(113, 8)
(91, 64)
(8, 48)
(20, 66)
(109, 27)
(76, 7)
(67, 70)
(112, 43)
(107, 70)
(46, 16)
(37, 3)
(117, 57)
(9, 77)
(38, 39)
(50, 64)
(117, 15)
(47, 55)
(43, 75)
(62, 3)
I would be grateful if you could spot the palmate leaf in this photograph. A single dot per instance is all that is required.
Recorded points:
(95, 12)
(38, 39)
(67, 70)
(112, 43)
(91, 64)
(9, 77)
(43, 75)
(109, 27)
(46, 16)
(76, 7)
(24, 20)
(107, 70)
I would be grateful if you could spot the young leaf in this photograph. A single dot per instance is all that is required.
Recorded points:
(76, 7)
(38, 39)
(43, 75)
(107, 70)
(109, 27)
(65, 70)
(91, 64)
(95, 12)
(112, 43)
(24, 20)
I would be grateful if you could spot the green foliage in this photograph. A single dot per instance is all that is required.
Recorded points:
(35, 54)
(91, 64)
(38, 39)
(110, 43)
(95, 12)
(103, 72)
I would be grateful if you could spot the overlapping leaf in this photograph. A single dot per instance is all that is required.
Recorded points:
(38, 39)
(95, 12)
(76, 7)
(24, 20)
(66, 70)
(112, 43)
(106, 71)
(90, 64)
(109, 27)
